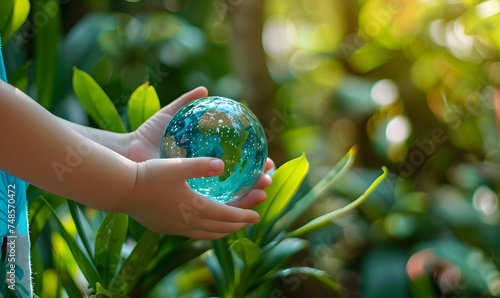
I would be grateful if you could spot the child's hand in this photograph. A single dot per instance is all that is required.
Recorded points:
(163, 202)
(144, 143)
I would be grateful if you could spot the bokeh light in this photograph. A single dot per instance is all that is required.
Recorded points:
(398, 129)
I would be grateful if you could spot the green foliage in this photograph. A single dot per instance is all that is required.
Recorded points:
(286, 181)
(319, 275)
(46, 50)
(13, 14)
(102, 292)
(327, 219)
(246, 249)
(134, 266)
(300, 207)
(410, 81)
(96, 102)
(255, 263)
(108, 244)
(84, 261)
(20, 78)
(143, 103)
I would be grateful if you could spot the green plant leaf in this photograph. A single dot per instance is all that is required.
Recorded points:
(174, 251)
(327, 219)
(39, 214)
(20, 77)
(135, 229)
(247, 250)
(108, 244)
(46, 51)
(215, 268)
(69, 284)
(102, 292)
(143, 103)
(274, 257)
(13, 14)
(81, 258)
(96, 102)
(286, 181)
(6, 8)
(82, 231)
(135, 265)
(225, 258)
(298, 209)
(320, 275)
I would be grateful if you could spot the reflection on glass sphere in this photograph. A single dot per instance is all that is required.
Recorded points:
(222, 128)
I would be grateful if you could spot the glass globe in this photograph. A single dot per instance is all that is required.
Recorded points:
(222, 128)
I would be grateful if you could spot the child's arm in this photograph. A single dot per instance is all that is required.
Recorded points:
(144, 143)
(36, 147)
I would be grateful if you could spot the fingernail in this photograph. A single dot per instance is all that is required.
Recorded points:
(256, 219)
(216, 165)
(269, 178)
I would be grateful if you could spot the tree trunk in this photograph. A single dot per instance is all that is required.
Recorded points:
(249, 60)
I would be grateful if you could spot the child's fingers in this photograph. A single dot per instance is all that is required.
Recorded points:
(214, 226)
(264, 181)
(252, 199)
(269, 165)
(186, 168)
(222, 212)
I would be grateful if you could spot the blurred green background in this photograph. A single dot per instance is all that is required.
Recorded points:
(409, 81)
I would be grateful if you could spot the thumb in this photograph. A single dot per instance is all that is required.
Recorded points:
(199, 167)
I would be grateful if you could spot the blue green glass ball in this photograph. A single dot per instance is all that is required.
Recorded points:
(222, 128)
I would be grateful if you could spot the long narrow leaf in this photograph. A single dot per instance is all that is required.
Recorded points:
(143, 103)
(108, 244)
(320, 275)
(46, 51)
(102, 292)
(80, 229)
(96, 102)
(39, 214)
(20, 77)
(298, 209)
(215, 268)
(225, 258)
(247, 250)
(81, 258)
(135, 265)
(6, 8)
(178, 254)
(286, 181)
(69, 285)
(327, 219)
(13, 14)
(273, 258)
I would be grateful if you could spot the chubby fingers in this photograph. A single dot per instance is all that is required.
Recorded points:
(257, 195)
(252, 199)
(264, 181)
(186, 168)
(216, 220)
(269, 165)
(224, 213)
